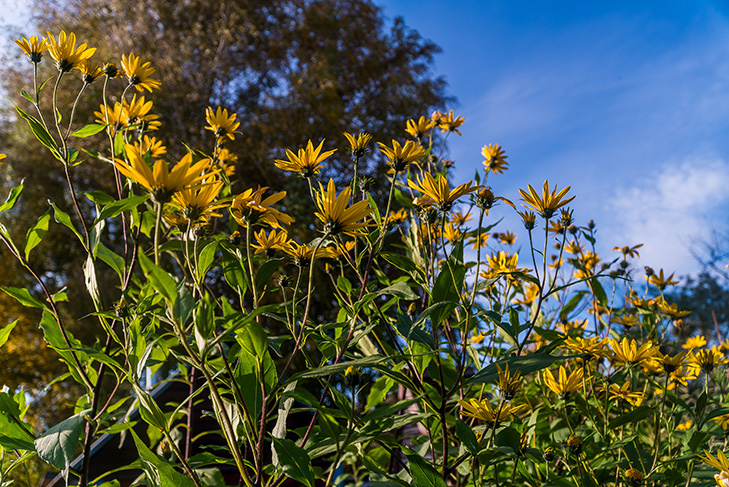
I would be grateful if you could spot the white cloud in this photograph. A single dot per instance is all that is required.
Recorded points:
(667, 211)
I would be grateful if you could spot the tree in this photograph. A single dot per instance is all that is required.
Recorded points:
(291, 69)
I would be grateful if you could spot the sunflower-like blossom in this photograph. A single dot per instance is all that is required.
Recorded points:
(336, 215)
(484, 411)
(306, 162)
(160, 180)
(150, 145)
(564, 384)
(624, 393)
(267, 244)
(721, 463)
(546, 204)
(660, 280)
(65, 52)
(420, 128)
(592, 348)
(509, 381)
(401, 156)
(220, 123)
(33, 47)
(494, 159)
(302, 255)
(628, 352)
(440, 191)
(197, 204)
(358, 145)
(139, 74)
(250, 208)
(449, 122)
(706, 360)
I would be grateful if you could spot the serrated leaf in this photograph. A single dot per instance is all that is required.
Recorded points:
(12, 198)
(159, 278)
(424, 475)
(57, 446)
(294, 460)
(115, 208)
(89, 130)
(5, 332)
(158, 471)
(23, 296)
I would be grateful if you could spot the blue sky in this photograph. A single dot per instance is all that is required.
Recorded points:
(627, 102)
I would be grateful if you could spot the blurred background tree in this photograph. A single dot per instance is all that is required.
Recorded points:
(291, 69)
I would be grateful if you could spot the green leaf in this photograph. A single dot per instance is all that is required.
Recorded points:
(424, 475)
(599, 291)
(62, 217)
(23, 296)
(89, 130)
(161, 281)
(340, 367)
(467, 437)
(27, 96)
(413, 331)
(5, 332)
(116, 208)
(401, 290)
(266, 271)
(571, 304)
(158, 471)
(449, 283)
(12, 198)
(14, 436)
(634, 416)
(254, 339)
(116, 262)
(206, 258)
(525, 364)
(294, 460)
(149, 410)
(57, 446)
(40, 132)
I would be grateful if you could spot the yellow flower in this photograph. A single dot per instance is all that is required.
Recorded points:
(268, 244)
(501, 263)
(660, 281)
(306, 162)
(706, 360)
(196, 203)
(628, 321)
(495, 159)
(623, 392)
(33, 48)
(634, 477)
(529, 294)
(420, 128)
(628, 352)
(89, 71)
(592, 347)
(65, 52)
(694, 342)
(228, 160)
(670, 310)
(451, 233)
(151, 145)
(509, 383)
(439, 190)
(122, 115)
(249, 207)
(2, 156)
(629, 251)
(220, 123)
(721, 463)
(400, 157)
(459, 219)
(358, 145)
(564, 384)
(139, 74)
(506, 238)
(159, 180)
(303, 254)
(450, 123)
(669, 363)
(685, 426)
(397, 217)
(722, 420)
(477, 339)
(334, 213)
(481, 241)
(548, 203)
(484, 411)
